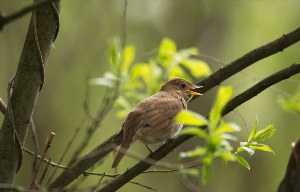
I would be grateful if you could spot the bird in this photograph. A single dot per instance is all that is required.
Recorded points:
(152, 119)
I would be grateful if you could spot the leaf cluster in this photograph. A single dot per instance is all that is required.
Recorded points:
(219, 135)
(139, 80)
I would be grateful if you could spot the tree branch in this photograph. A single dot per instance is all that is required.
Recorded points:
(21, 12)
(290, 182)
(25, 89)
(234, 103)
(216, 78)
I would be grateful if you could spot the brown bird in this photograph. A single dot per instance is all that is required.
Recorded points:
(152, 120)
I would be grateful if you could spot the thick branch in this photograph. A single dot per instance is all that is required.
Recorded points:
(216, 78)
(234, 103)
(25, 90)
(290, 182)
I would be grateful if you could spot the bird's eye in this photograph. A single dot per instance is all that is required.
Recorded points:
(183, 85)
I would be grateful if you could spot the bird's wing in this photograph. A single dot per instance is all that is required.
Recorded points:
(128, 131)
(158, 111)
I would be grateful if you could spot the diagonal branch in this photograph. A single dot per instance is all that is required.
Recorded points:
(216, 78)
(7, 19)
(234, 103)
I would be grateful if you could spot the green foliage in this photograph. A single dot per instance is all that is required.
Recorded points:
(142, 79)
(191, 118)
(219, 134)
(291, 104)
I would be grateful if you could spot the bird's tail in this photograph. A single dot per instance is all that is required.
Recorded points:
(123, 149)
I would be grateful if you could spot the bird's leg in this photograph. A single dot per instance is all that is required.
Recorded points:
(150, 150)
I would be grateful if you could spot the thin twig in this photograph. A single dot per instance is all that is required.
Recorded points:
(65, 167)
(187, 182)
(36, 145)
(47, 146)
(145, 186)
(45, 172)
(124, 24)
(86, 173)
(98, 184)
(18, 14)
(86, 101)
(10, 187)
(71, 141)
(107, 102)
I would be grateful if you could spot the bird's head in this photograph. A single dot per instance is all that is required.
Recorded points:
(180, 87)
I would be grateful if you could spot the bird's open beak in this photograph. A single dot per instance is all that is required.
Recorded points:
(190, 90)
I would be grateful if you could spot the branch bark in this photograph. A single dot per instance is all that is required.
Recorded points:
(26, 86)
(234, 103)
(290, 182)
(216, 78)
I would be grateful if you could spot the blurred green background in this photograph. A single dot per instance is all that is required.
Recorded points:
(221, 29)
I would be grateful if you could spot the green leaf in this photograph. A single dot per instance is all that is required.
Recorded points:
(226, 156)
(261, 147)
(167, 47)
(109, 75)
(265, 133)
(188, 52)
(198, 151)
(190, 118)
(197, 67)
(206, 173)
(128, 57)
(247, 149)
(140, 70)
(223, 96)
(194, 131)
(102, 81)
(192, 172)
(228, 128)
(253, 131)
(166, 51)
(227, 136)
(177, 71)
(115, 55)
(242, 161)
(122, 102)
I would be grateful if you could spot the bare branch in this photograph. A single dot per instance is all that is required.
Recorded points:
(66, 150)
(21, 12)
(44, 172)
(47, 146)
